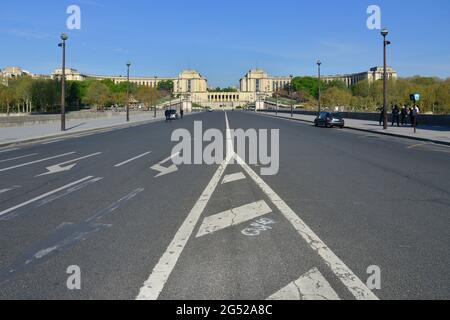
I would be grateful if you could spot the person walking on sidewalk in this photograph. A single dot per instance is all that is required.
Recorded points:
(415, 113)
(396, 116)
(381, 109)
(404, 116)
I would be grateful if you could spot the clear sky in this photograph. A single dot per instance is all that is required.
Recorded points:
(224, 39)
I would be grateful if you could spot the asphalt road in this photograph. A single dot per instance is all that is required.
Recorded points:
(341, 202)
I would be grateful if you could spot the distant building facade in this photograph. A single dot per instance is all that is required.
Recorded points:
(373, 75)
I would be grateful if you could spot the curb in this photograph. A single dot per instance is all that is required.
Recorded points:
(369, 131)
(70, 134)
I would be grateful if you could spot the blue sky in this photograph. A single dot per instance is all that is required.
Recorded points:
(224, 39)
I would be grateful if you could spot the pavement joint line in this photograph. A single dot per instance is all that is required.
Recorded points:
(34, 162)
(445, 143)
(132, 159)
(23, 204)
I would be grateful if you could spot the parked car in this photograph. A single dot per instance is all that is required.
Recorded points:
(252, 108)
(173, 115)
(329, 119)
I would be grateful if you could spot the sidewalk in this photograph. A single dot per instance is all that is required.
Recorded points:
(11, 135)
(439, 135)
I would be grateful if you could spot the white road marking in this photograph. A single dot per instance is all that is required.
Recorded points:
(43, 196)
(8, 150)
(233, 177)
(9, 189)
(61, 167)
(37, 161)
(132, 159)
(233, 217)
(418, 145)
(17, 158)
(153, 287)
(52, 141)
(311, 286)
(165, 170)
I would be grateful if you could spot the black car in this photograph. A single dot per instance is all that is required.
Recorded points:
(329, 119)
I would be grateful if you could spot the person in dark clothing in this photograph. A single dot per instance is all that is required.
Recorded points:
(167, 114)
(411, 116)
(396, 116)
(181, 113)
(381, 115)
(404, 116)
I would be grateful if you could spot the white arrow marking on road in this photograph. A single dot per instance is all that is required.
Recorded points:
(233, 217)
(311, 286)
(233, 177)
(37, 161)
(62, 166)
(165, 170)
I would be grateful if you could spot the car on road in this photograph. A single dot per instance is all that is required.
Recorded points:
(173, 115)
(252, 108)
(330, 120)
(210, 109)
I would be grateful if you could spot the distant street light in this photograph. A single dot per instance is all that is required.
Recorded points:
(128, 91)
(384, 33)
(319, 63)
(64, 38)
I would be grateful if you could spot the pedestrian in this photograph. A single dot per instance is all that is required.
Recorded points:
(381, 115)
(404, 116)
(411, 117)
(166, 113)
(416, 112)
(396, 116)
(181, 113)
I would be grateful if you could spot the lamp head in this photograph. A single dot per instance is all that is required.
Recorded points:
(384, 32)
(319, 62)
(128, 64)
(64, 37)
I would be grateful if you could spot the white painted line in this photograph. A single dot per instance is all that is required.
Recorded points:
(43, 196)
(37, 161)
(132, 159)
(233, 217)
(165, 170)
(9, 189)
(17, 158)
(153, 287)
(8, 150)
(311, 286)
(345, 275)
(233, 177)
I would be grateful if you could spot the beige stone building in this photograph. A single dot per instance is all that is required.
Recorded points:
(374, 74)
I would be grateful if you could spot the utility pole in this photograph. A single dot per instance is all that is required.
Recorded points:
(128, 91)
(64, 38)
(384, 33)
(319, 63)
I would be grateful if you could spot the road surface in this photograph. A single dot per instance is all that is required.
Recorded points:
(138, 227)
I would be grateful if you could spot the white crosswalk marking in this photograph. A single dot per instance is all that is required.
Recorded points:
(311, 286)
(233, 217)
(233, 177)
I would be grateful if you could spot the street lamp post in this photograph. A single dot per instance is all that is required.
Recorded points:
(384, 33)
(276, 110)
(128, 91)
(290, 96)
(319, 63)
(64, 38)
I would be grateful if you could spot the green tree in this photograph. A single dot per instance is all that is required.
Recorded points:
(98, 95)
